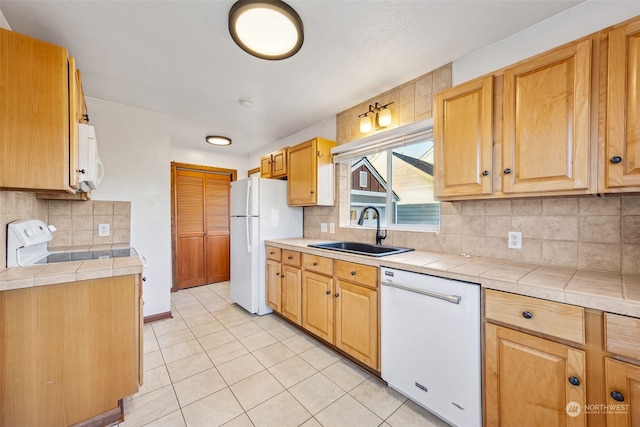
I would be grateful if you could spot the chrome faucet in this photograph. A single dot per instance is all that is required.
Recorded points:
(379, 236)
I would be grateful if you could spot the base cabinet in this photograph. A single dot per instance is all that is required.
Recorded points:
(623, 394)
(274, 285)
(317, 305)
(69, 352)
(532, 381)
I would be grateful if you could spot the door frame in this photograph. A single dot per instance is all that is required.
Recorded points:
(233, 173)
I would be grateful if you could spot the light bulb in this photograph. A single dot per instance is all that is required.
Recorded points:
(365, 124)
(384, 117)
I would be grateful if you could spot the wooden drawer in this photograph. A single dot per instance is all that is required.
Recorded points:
(318, 264)
(291, 258)
(274, 253)
(357, 273)
(546, 317)
(621, 335)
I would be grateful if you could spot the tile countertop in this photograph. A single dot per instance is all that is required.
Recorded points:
(71, 271)
(612, 292)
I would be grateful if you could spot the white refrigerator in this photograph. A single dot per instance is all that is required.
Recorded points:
(259, 212)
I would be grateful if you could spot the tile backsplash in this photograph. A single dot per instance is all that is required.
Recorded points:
(76, 221)
(583, 232)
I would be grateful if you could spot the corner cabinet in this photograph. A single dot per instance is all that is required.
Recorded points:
(622, 156)
(39, 109)
(546, 123)
(463, 129)
(310, 173)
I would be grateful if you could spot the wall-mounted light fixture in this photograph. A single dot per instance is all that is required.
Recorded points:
(267, 29)
(381, 115)
(218, 140)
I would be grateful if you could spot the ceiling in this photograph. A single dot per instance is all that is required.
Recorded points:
(177, 57)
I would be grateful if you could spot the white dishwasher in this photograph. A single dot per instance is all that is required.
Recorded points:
(430, 343)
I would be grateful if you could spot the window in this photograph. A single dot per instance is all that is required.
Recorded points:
(396, 177)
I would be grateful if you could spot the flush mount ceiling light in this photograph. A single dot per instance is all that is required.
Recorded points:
(266, 29)
(382, 117)
(218, 140)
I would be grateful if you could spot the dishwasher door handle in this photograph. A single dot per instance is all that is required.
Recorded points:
(454, 299)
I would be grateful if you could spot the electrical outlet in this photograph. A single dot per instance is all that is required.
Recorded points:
(332, 228)
(103, 230)
(515, 240)
(323, 227)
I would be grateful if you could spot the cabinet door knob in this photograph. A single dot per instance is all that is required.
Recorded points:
(328, 292)
(144, 279)
(337, 295)
(527, 314)
(574, 381)
(312, 191)
(277, 274)
(615, 159)
(617, 396)
(82, 171)
(271, 253)
(353, 273)
(485, 173)
(507, 171)
(289, 257)
(315, 264)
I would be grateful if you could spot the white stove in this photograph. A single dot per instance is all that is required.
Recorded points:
(27, 244)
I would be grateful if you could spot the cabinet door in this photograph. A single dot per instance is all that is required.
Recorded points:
(303, 174)
(623, 394)
(279, 163)
(292, 293)
(357, 329)
(526, 380)
(463, 139)
(265, 166)
(274, 285)
(622, 158)
(547, 122)
(190, 230)
(217, 195)
(317, 305)
(34, 107)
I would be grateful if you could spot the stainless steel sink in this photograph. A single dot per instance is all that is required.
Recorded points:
(361, 248)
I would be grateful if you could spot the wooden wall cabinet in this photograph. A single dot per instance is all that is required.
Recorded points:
(530, 377)
(463, 129)
(622, 145)
(310, 173)
(40, 106)
(546, 123)
(274, 165)
(69, 351)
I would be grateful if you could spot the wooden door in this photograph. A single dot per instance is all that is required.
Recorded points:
(279, 163)
(357, 322)
(317, 305)
(200, 223)
(292, 293)
(265, 166)
(546, 126)
(217, 193)
(274, 285)
(623, 393)
(622, 157)
(463, 130)
(303, 174)
(526, 381)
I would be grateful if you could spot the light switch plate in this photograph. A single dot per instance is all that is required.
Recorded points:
(332, 228)
(323, 227)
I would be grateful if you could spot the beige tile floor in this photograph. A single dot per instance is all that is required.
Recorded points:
(214, 364)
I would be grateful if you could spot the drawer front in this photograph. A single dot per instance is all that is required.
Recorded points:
(274, 253)
(318, 264)
(291, 258)
(621, 335)
(357, 273)
(546, 317)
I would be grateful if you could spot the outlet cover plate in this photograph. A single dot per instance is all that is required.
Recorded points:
(515, 240)
(104, 230)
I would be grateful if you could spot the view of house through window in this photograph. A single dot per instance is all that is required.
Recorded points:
(399, 183)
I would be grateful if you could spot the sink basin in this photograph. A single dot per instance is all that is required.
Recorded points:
(361, 248)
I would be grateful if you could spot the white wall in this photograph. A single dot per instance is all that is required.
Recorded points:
(211, 157)
(135, 147)
(325, 129)
(3, 22)
(579, 21)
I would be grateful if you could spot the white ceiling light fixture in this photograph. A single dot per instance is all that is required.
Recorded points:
(218, 140)
(266, 29)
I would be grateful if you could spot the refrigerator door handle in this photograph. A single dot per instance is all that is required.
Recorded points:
(248, 222)
(246, 205)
